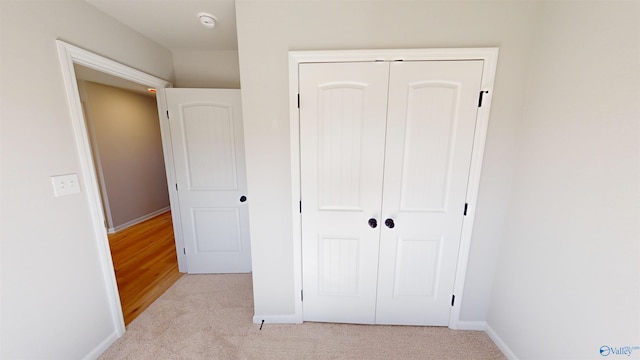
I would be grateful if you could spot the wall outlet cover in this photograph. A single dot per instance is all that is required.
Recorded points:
(65, 184)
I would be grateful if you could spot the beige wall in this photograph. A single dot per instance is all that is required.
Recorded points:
(554, 261)
(126, 135)
(267, 30)
(206, 69)
(568, 279)
(53, 293)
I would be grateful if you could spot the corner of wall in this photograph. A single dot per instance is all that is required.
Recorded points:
(500, 343)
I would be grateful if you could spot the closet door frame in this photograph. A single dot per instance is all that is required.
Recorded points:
(490, 58)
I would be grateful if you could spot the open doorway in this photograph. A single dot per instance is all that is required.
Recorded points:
(124, 134)
(69, 57)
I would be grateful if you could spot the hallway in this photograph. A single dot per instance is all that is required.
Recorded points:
(144, 258)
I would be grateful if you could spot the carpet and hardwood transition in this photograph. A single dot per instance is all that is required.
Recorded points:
(210, 317)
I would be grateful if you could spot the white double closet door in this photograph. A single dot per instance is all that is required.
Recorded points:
(385, 151)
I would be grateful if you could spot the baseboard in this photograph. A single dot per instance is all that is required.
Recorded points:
(102, 347)
(471, 325)
(138, 220)
(275, 319)
(500, 343)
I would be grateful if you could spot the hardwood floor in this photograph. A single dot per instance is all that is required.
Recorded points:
(144, 258)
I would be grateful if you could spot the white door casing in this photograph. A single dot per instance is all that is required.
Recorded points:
(487, 57)
(69, 55)
(208, 148)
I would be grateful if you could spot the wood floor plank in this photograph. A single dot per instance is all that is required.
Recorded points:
(144, 258)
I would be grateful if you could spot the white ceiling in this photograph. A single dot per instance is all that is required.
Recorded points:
(174, 24)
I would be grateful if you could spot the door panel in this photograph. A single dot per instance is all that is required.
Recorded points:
(384, 141)
(208, 146)
(338, 266)
(430, 129)
(342, 125)
(427, 148)
(225, 223)
(340, 130)
(417, 263)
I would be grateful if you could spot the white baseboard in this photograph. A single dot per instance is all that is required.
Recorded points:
(102, 347)
(275, 319)
(471, 325)
(138, 220)
(500, 343)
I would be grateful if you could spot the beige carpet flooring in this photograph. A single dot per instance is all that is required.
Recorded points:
(210, 317)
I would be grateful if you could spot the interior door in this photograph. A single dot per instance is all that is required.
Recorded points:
(342, 123)
(430, 129)
(208, 146)
(389, 142)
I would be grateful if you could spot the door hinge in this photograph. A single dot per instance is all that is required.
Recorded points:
(300, 206)
(184, 251)
(482, 92)
(298, 101)
(453, 299)
(176, 186)
(465, 209)
(167, 114)
(301, 296)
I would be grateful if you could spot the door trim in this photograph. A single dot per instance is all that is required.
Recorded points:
(490, 58)
(69, 55)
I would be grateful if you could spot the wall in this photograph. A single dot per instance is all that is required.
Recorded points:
(206, 68)
(53, 297)
(568, 279)
(126, 135)
(267, 30)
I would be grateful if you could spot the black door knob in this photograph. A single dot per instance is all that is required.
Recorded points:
(373, 223)
(389, 223)
(243, 198)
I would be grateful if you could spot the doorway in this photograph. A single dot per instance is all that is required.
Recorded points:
(124, 133)
(488, 57)
(389, 143)
(69, 56)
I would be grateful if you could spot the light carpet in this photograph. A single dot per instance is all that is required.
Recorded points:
(210, 317)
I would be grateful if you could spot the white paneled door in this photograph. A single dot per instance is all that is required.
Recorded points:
(208, 150)
(385, 151)
(343, 115)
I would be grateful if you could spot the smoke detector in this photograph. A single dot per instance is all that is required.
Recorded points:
(207, 20)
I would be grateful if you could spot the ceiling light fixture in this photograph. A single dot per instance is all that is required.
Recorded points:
(207, 20)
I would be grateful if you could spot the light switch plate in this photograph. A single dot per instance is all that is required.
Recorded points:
(65, 184)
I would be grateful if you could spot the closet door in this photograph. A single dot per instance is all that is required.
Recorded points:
(430, 129)
(343, 109)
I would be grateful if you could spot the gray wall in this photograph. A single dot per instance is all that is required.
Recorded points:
(125, 133)
(53, 294)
